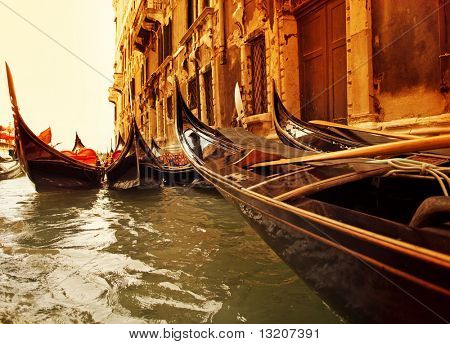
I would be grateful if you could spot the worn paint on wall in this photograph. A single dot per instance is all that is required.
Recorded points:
(406, 58)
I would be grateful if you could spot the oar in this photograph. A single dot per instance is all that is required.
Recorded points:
(394, 148)
(343, 126)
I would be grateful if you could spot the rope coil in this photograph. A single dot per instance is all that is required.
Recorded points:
(407, 166)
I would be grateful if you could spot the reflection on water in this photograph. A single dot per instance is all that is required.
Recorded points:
(171, 256)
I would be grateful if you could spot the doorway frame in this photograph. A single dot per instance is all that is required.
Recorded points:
(301, 12)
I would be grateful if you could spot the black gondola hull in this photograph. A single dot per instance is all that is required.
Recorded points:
(353, 276)
(136, 167)
(127, 175)
(367, 267)
(49, 169)
(46, 167)
(179, 176)
(51, 175)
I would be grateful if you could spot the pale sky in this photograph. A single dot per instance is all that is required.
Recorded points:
(53, 87)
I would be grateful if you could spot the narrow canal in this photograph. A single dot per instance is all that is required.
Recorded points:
(175, 256)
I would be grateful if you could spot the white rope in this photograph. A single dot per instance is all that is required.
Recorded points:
(407, 166)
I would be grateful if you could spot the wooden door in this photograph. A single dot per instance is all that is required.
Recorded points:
(323, 62)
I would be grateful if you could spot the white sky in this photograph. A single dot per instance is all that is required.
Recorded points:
(53, 87)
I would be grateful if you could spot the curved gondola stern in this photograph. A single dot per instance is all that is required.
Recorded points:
(123, 173)
(154, 145)
(282, 116)
(45, 166)
(136, 166)
(182, 114)
(191, 146)
(78, 143)
(276, 104)
(146, 152)
(19, 123)
(120, 142)
(297, 133)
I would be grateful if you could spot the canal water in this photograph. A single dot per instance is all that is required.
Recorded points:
(172, 256)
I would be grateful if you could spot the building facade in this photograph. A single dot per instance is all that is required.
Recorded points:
(371, 63)
(6, 140)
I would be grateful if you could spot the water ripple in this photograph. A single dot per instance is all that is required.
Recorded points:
(172, 256)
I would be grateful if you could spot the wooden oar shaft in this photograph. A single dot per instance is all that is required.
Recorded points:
(394, 148)
(343, 126)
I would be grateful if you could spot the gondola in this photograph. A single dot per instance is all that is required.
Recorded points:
(175, 175)
(136, 166)
(374, 243)
(322, 136)
(10, 166)
(116, 153)
(9, 169)
(46, 167)
(78, 145)
(304, 135)
(80, 153)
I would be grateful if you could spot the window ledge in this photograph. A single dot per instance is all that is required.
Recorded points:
(205, 13)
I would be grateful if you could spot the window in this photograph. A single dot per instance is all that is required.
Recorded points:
(192, 94)
(192, 12)
(167, 37)
(259, 76)
(444, 32)
(147, 68)
(161, 122)
(147, 127)
(160, 47)
(124, 59)
(153, 96)
(169, 103)
(164, 42)
(133, 89)
(207, 77)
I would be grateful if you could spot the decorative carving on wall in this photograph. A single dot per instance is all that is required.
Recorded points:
(238, 16)
(263, 7)
(290, 6)
(206, 39)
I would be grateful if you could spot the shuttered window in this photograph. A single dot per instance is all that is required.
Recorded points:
(207, 77)
(160, 47)
(192, 94)
(259, 76)
(167, 37)
(192, 12)
(133, 89)
(169, 103)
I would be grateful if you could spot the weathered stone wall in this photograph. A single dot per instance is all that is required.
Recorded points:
(393, 71)
(406, 59)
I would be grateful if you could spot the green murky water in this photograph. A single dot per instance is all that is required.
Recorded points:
(172, 256)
